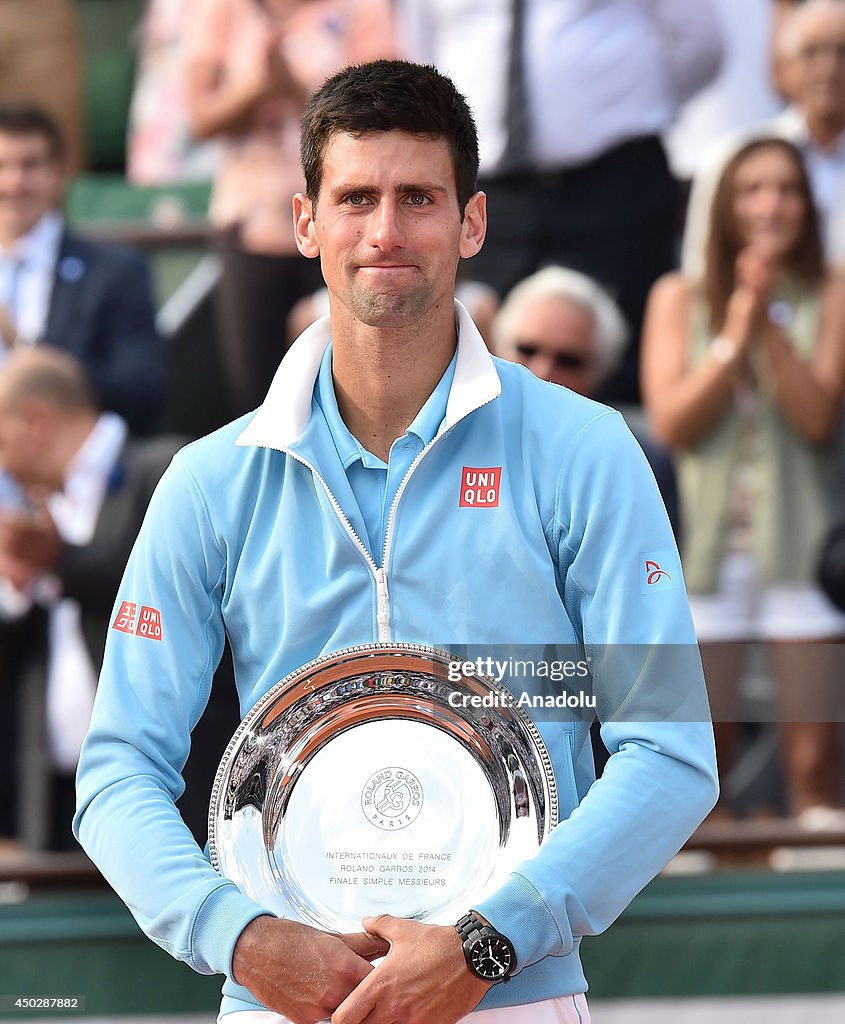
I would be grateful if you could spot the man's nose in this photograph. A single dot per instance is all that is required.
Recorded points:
(385, 229)
(542, 365)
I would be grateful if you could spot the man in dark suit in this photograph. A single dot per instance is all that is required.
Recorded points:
(88, 483)
(90, 298)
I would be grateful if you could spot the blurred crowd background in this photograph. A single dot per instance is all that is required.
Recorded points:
(666, 186)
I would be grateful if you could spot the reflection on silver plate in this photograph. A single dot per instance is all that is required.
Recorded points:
(364, 783)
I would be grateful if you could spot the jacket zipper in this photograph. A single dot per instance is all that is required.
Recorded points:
(379, 572)
(388, 537)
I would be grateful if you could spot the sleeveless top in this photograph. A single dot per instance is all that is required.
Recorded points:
(784, 479)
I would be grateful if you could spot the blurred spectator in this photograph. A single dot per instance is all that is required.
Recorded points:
(160, 147)
(571, 100)
(251, 65)
(92, 299)
(743, 375)
(566, 329)
(88, 486)
(741, 95)
(41, 64)
(810, 43)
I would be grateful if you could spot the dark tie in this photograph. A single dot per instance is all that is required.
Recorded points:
(516, 155)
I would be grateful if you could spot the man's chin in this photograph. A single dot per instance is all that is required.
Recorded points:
(392, 311)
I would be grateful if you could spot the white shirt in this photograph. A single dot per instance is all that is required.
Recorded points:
(598, 72)
(741, 94)
(71, 676)
(38, 250)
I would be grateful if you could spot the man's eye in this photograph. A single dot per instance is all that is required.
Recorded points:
(356, 199)
(418, 199)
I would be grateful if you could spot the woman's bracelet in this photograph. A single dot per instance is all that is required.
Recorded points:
(723, 350)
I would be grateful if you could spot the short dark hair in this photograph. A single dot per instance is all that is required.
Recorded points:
(390, 95)
(17, 118)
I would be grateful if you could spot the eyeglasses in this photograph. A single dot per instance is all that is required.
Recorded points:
(562, 360)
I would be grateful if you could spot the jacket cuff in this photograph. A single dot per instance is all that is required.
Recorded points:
(519, 912)
(224, 914)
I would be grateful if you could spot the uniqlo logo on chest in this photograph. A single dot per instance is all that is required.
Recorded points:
(148, 622)
(480, 487)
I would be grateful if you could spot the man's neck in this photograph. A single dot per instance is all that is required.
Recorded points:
(825, 133)
(12, 235)
(383, 377)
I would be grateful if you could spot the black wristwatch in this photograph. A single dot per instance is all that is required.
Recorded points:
(489, 954)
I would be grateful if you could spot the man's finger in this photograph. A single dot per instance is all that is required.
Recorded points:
(357, 1005)
(384, 925)
(369, 947)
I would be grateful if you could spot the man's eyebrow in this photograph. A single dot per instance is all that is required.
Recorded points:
(403, 188)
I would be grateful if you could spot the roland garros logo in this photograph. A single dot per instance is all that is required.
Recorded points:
(392, 798)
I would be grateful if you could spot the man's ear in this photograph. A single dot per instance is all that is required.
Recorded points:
(304, 228)
(474, 226)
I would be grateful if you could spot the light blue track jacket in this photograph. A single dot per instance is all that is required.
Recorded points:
(251, 533)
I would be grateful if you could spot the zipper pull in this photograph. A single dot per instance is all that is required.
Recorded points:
(383, 614)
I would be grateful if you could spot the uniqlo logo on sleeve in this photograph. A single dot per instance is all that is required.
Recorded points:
(480, 487)
(149, 623)
(125, 618)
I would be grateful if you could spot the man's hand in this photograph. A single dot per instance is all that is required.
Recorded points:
(30, 538)
(424, 978)
(300, 972)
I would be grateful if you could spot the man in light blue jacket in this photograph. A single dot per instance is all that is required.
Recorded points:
(344, 511)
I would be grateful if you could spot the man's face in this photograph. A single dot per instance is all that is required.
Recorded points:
(815, 72)
(20, 451)
(554, 339)
(30, 183)
(387, 227)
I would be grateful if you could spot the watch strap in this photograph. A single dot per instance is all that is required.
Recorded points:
(470, 926)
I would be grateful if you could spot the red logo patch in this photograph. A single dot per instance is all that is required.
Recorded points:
(655, 573)
(125, 619)
(149, 621)
(149, 624)
(480, 487)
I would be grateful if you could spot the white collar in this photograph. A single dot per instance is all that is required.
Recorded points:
(39, 247)
(99, 451)
(76, 507)
(285, 412)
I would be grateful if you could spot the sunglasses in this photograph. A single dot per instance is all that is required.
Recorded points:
(562, 360)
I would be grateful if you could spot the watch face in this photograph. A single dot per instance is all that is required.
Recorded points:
(491, 958)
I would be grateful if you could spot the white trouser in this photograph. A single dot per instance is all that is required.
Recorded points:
(566, 1010)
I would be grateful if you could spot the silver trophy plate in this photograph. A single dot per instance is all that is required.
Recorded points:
(368, 782)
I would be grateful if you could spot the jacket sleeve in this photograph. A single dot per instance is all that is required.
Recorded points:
(91, 573)
(691, 43)
(153, 689)
(130, 367)
(611, 531)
